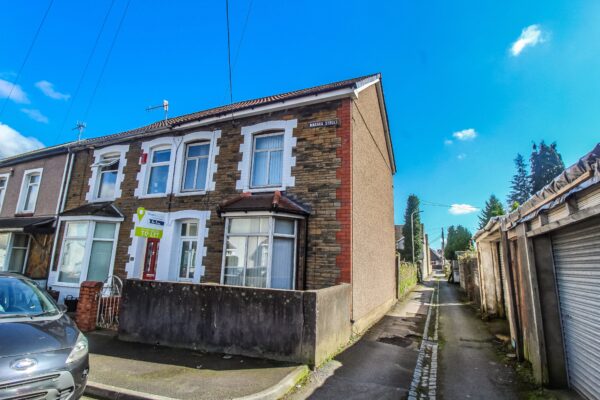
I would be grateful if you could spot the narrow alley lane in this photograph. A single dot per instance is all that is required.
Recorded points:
(469, 367)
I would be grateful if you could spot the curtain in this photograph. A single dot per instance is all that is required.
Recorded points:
(282, 271)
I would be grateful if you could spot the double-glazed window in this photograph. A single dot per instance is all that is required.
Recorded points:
(108, 170)
(87, 251)
(260, 252)
(13, 251)
(267, 160)
(196, 166)
(159, 171)
(188, 248)
(3, 184)
(29, 191)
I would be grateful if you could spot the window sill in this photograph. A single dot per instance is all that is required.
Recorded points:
(24, 213)
(198, 193)
(65, 285)
(152, 196)
(107, 200)
(265, 189)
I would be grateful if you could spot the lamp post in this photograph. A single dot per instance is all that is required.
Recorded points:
(412, 233)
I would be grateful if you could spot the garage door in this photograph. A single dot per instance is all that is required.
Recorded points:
(577, 263)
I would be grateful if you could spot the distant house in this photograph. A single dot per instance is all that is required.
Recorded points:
(399, 237)
(436, 259)
(540, 268)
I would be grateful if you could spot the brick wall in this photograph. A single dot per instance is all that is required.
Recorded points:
(87, 306)
(321, 170)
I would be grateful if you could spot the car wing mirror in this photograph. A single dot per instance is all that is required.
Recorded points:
(62, 308)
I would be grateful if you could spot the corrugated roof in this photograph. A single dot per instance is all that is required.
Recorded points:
(104, 209)
(239, 106)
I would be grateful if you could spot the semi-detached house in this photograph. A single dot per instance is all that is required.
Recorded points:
(292, 191)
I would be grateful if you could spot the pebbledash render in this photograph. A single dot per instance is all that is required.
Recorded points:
(292, 192)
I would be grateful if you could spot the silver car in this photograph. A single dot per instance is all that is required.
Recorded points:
(42, 353)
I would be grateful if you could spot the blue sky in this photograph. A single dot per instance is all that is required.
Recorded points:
(449, 73)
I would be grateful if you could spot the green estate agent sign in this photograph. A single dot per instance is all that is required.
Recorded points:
(149, 224)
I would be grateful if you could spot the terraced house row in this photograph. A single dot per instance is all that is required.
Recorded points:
(291, 192)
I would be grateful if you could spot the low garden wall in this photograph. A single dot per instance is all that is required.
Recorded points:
(407, 278)
(288, 325)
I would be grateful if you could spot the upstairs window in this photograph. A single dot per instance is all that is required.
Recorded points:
(29, 191)
(267, 157)
(196, 166)
(3, 183)
(108, 170)
(159, 171)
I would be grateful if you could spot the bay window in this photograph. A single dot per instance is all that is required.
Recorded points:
(14, 248)
(196, 166)
(260, 252)
(188, 248)
(159, 171)
(87, 251)
(267, 157)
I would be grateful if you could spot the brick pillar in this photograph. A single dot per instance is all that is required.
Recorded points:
(87, 307)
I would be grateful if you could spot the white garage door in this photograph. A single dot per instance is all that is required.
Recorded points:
(577, 261)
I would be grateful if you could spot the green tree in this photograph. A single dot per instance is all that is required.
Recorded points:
(412, 206)
(546, 164)
(520, 184)
(493, 208)
(459, 239)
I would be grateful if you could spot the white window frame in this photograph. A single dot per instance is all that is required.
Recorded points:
(88, 247)
(247, 149)
(190, 138)
(270, 235)
(255, 150)
(25, 186)
(6, 177)
(9, 250)
(180, 240)
(158, 164)
(143, 177)
(94, 181)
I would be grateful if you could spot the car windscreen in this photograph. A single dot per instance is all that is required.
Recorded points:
(20, 297)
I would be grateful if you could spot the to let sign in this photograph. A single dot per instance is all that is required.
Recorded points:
(321, 124)
(150, 224)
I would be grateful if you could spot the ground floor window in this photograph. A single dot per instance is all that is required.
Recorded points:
(188, 247)
(14, 248)
(260, 252)
(87, 251)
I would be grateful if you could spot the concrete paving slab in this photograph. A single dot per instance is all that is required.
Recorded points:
(180, 373)
(380, 365)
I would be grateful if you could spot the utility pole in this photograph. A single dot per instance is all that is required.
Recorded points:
(443, 244)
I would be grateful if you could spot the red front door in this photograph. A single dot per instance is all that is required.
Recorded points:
(151, 258)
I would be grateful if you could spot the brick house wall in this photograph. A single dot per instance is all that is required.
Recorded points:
(318, 180)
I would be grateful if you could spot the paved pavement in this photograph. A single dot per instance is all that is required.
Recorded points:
(180, 373)
(380, 365)
(470, 368)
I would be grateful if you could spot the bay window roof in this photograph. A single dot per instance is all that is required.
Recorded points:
(272, 202)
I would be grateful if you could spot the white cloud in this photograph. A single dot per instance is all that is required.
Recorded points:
(14, 143)
(461, 156)
(448, 142)
(530, 36)
(48, 89)
(17, 95)
(465, 134)
(461, 209)
(35, 115)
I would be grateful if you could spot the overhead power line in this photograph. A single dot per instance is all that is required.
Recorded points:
(85, 68)
(237, 52)
(106, 59)
(27, 54)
